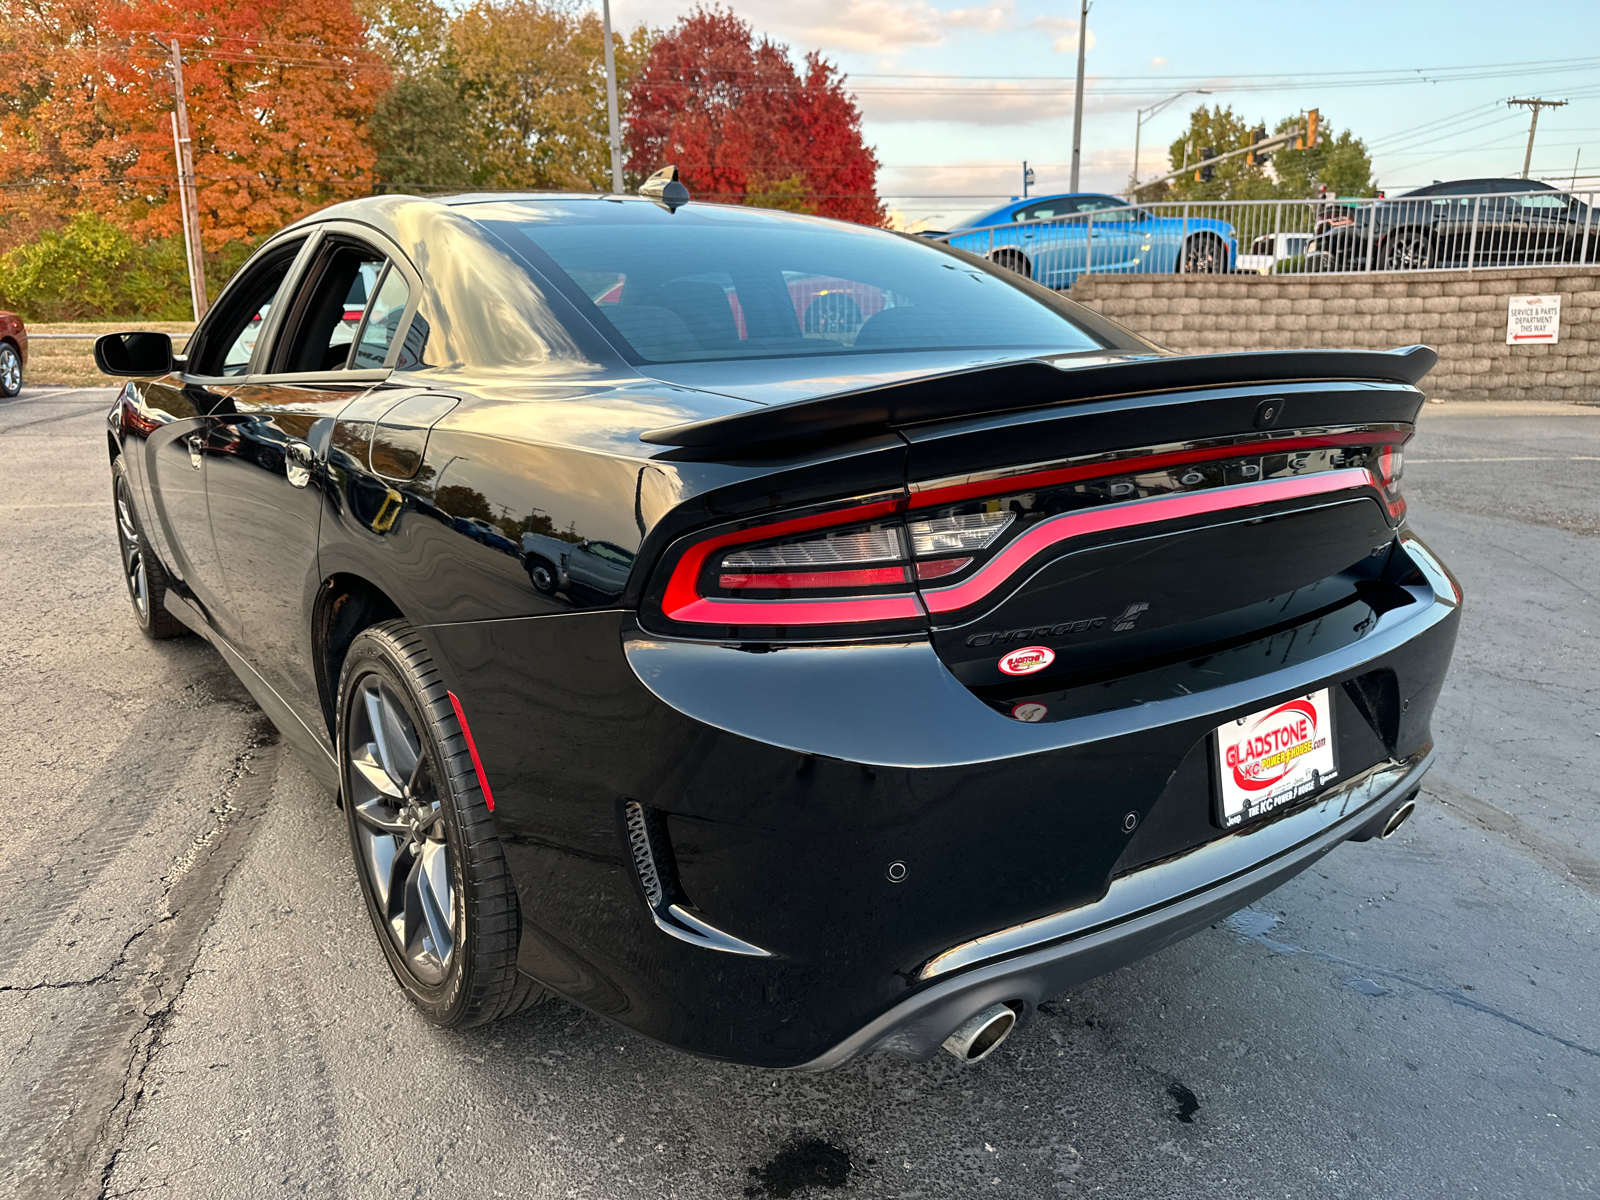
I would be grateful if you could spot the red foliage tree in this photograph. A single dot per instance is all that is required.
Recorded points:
(743, 126)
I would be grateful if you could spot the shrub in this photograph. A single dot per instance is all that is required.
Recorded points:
(92, 270)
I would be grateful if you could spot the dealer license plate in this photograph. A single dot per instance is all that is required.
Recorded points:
(1274, 757)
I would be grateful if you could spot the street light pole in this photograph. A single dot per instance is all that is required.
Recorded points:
(1077, 102)
(1140, 117)
(611, 103)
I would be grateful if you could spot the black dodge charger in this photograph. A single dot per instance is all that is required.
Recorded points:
(788, 639)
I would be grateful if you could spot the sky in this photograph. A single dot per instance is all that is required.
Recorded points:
(1424, 84)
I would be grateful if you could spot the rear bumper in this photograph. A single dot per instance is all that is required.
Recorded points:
(862, 848)
(1142, 913)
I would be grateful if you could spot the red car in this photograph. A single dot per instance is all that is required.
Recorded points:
(13, 353)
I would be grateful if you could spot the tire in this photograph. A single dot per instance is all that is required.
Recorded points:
(1407, 250)
(10, 370)
(1014, 260)
(1203, 254)
(146, 579)
(542, 574)
(419, 827)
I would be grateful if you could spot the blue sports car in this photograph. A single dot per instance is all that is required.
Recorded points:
(1054, 239)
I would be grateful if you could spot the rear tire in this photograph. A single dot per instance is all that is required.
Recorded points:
(426, 854)
(1203, 254)
(142, 572)
(10, 370)
(1014, 260)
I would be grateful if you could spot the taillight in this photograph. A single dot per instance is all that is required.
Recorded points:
(844, 565)
(945, 549)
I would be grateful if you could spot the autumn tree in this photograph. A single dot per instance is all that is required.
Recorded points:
(533, 77)
(423, 132)
(279, 92)
(744, 126)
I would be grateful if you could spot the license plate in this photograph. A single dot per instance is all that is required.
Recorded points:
(1274, 757)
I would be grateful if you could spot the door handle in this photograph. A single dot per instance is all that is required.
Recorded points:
(298, 460)
(197, 450)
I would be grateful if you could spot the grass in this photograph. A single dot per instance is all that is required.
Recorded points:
(71, 363)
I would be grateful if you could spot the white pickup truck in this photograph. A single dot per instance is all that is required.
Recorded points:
(1270, 249)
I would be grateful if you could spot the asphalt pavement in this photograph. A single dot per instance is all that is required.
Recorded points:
(192, 1002)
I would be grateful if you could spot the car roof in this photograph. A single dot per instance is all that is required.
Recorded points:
(1489, 185)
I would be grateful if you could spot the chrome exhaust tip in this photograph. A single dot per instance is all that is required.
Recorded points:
(979, 1036)
(1401, 815)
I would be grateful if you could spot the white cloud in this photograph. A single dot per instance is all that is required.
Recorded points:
(1067, 41)
(1158, 62)
(863, 26)
(992, 103)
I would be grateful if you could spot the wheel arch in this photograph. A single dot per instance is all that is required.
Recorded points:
(1002, 256)
(345, 604)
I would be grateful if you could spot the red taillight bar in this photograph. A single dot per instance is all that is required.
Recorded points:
(1132, 513)
(926, 495)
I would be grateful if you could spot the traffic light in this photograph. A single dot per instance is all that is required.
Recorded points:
(1205, 173)
(1312, 132)
(1258, 158)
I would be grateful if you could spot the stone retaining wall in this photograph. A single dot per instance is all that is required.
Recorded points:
(1460, 314)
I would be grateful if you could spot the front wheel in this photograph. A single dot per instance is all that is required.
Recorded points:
(142, 572)
(1014, 260)
(429, 863)
(542, 574)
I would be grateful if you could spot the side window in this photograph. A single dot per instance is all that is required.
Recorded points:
(328, 310)
(383, 321)
(230, 333)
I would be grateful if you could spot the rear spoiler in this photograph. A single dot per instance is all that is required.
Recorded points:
(1035, 383)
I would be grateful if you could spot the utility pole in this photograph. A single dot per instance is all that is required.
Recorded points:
(188, 200)
(1533, 125)
(611, 103)
(1077, 103)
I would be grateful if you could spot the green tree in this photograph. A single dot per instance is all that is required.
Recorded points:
(1339, 162)
(533, 74)
(422, 128)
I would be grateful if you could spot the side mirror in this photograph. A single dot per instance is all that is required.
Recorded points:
(141, 355)
(663, 187)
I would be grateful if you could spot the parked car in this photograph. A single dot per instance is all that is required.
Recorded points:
(1481, 222)
(13, 353)
(1270, 249)
(592, 569)
(954, 661)
(1054, 239)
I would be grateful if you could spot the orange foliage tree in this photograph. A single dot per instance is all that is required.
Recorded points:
(279, 93)
(742, 125)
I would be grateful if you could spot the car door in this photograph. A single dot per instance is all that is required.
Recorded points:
(186, 438)
(337, 339)
(1546, 226)
(1111, 228)
(1056, 241)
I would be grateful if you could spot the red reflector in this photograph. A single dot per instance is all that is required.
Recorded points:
(816, 579)
(945, 566)
(472, 749)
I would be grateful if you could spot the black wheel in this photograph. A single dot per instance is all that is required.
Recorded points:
(10, 370)
(1203, 254)
(426, 853)
(1014, 260)
(542, 573)
(141, 569)
(1407, 250)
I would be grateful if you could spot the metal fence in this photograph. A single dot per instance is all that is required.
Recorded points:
(1462, 232)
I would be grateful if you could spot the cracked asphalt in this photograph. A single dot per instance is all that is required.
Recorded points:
(192, 1002)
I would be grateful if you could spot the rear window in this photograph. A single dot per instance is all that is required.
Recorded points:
(709, 283)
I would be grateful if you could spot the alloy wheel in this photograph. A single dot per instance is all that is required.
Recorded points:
(1409, 252)
(401, 829)
(134, 572)
(10, 372)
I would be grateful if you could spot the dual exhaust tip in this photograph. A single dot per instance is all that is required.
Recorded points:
(980, 1035)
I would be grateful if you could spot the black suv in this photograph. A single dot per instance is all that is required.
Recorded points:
(1468, 222)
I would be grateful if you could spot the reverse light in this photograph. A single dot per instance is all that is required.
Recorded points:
(958, 532)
